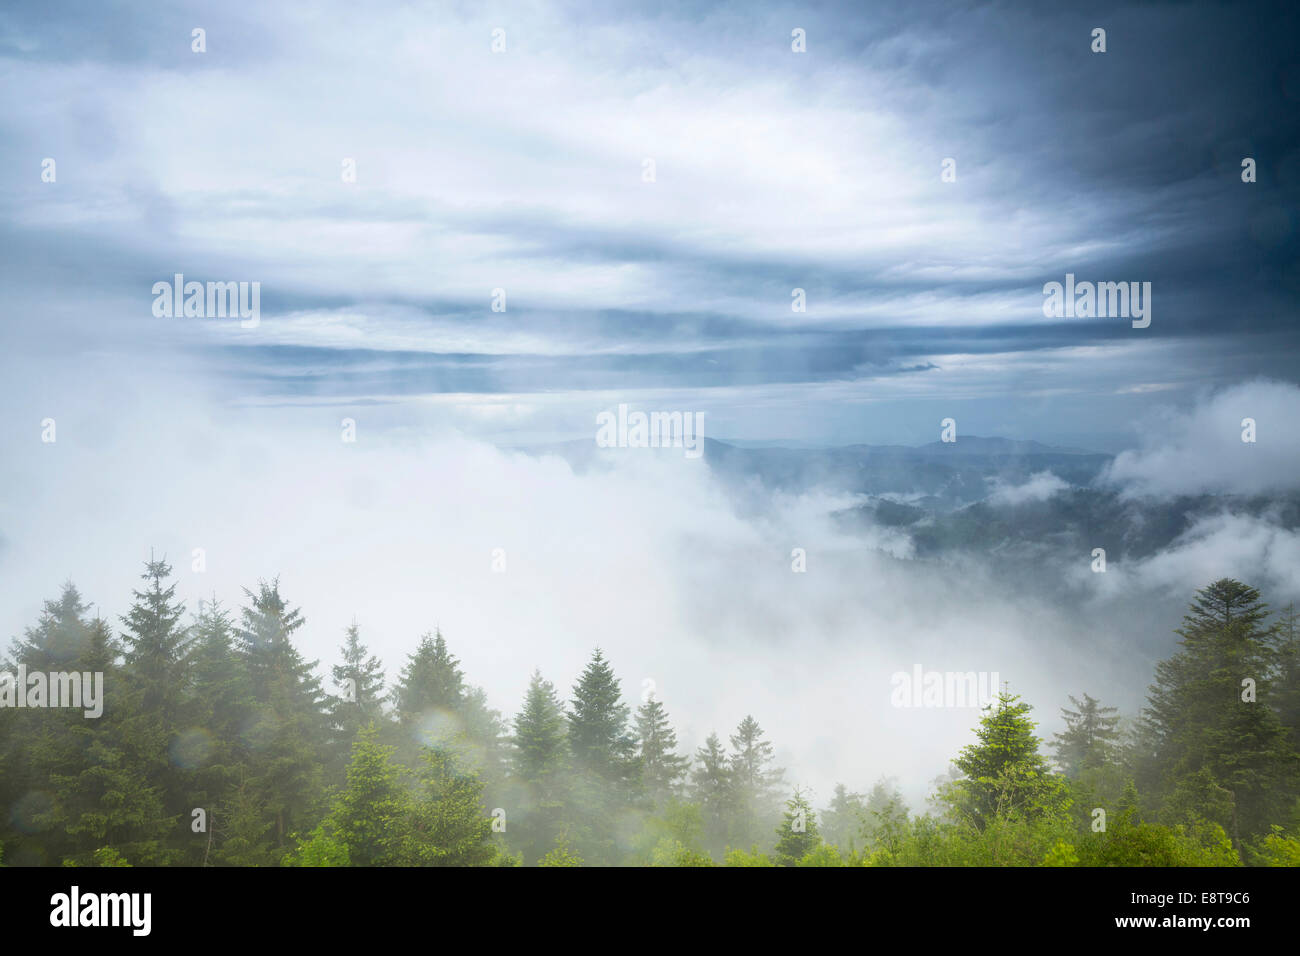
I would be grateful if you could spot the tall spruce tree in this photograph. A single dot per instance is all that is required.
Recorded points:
(290, 728)
(1090, 736)
(598, 724)
(711, 788)
(216, 713)
(437, 708)
(755, 784)
(431, 680)
(105, 794)
(36, 744)
(1208, 723)
(359, 684)
(154, 677)
(539, 763)
(278, 672)
(662, 769)
(59, 635)
(603, 753)
(540, 739)
(155, 644)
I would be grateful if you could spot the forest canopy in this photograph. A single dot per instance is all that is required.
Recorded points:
(218, 744)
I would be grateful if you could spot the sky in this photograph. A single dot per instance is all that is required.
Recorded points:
(526, 170)
(522, 170)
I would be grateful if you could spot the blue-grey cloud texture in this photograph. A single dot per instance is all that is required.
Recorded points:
(522, 170)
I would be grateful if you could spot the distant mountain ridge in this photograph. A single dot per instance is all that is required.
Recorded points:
(967, 444)
(939, 476)
(941, 495)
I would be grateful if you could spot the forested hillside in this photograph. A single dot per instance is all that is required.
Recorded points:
(220, 745)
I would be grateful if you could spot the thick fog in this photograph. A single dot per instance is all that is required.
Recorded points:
(646, 554)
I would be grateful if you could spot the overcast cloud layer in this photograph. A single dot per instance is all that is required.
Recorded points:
(522, 170)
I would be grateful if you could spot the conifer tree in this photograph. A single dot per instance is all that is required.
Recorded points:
(155, 645)
(711, 789)
(108, 788)
(245, 825)
(58, 636)
(484, 731)
(662, 769)
(843, 818)
(32, 746)
(755, 784)
(539, 763)
(602, 750)
(217, 681)
(290, 727)
(232, 719)
(431, 680)
(884, 816)
(373, 816)
(216, 713)
(452, 827)
(359, 685)
(598, 724)
(220, 693)
(1090, 736)
(1202, 720)
(279, 674)
(153, 687)
(797, 835)
(1003, 772)
(482, 746)
(437, 708)
(540, 741)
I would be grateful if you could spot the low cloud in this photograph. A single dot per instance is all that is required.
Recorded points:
(1202, 450)
(1251, 549)
(1040, 486)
